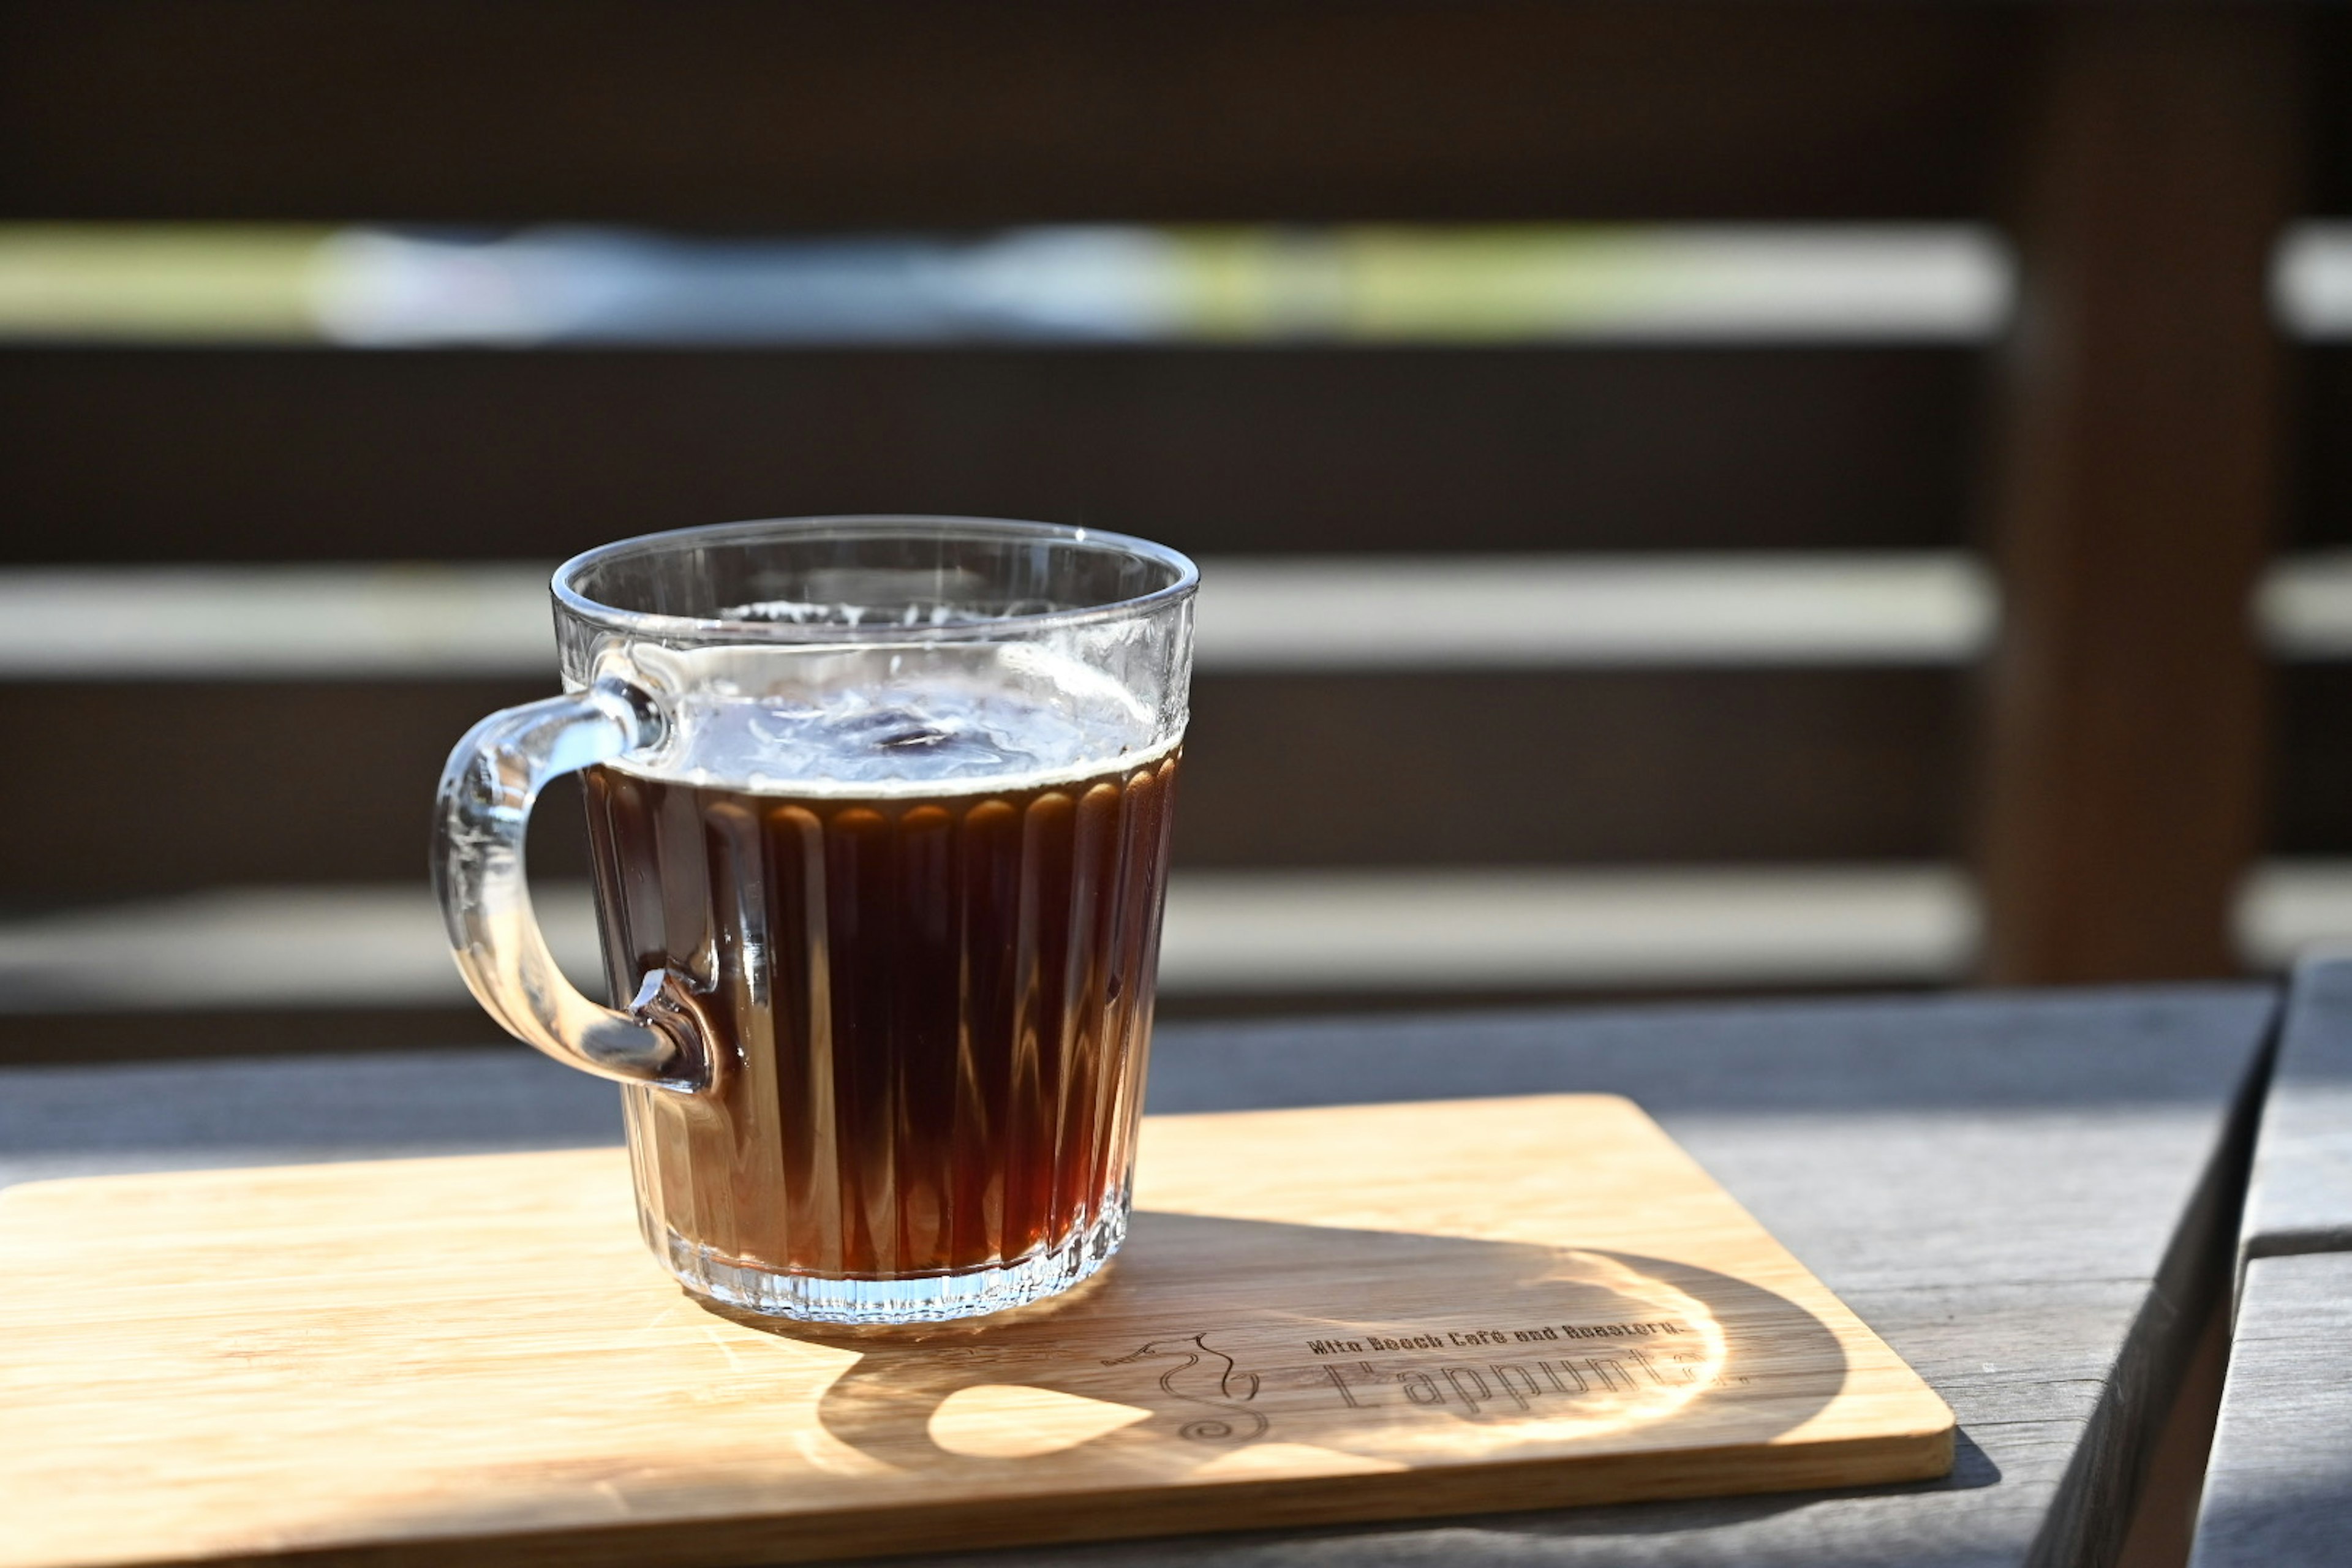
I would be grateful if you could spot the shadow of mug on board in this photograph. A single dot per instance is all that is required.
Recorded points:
(1211, 1337)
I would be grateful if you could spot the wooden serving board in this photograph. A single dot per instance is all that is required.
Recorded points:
(1363, 1313)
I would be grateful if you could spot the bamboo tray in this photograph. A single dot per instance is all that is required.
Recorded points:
(1352, 1313)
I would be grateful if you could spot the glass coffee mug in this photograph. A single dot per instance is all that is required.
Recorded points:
(879, 810)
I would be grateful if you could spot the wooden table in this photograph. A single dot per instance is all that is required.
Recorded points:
(2278, 1490)
(2030, 1197)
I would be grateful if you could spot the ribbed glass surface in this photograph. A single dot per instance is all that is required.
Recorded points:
(934, 1012)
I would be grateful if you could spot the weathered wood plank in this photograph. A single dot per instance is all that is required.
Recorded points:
(2312, 775)
(226, 455)
(2330, 32)
(2321, 515)
(309, 782)
(2278, 1487)
(2299, 1198)
(2025, 1196)
(926, 111)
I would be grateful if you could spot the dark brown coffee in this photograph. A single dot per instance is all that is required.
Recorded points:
(932, 1011)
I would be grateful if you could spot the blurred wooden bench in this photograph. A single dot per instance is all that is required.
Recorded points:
(2128, 455)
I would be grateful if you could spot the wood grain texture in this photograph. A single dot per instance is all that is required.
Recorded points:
(2015, 1192)
(2278, 1487)
(2299, 1198)
(1327, 1314)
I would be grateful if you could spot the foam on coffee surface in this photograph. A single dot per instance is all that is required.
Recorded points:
(880, 731)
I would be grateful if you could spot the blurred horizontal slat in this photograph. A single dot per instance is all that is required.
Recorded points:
(269, 947)
(224, 969)
(2290, 907)
(2303, 606)
(1227, 933)
(139, 456)
(204, 785)
(1617, 766)
(1370, 931)
(1443, 612)
(725, 113)
(179, 786)
(283, 623)
(1378, 931)
(2311, 280)
(1316, 613)
(1073, 285)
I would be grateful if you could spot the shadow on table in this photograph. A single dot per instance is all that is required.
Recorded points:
(1515, 1537)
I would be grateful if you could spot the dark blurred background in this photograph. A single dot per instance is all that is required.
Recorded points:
(1695, 498)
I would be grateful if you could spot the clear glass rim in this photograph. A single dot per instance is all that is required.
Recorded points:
(656, 627)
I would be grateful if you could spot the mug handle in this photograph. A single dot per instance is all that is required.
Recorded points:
(484, 805)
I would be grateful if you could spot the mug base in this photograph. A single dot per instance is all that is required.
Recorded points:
(919, 1298)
